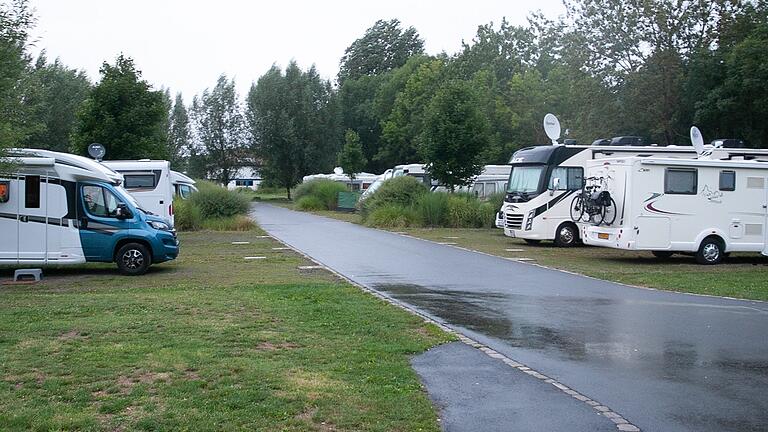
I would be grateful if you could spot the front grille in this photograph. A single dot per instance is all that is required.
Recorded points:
(514, 221)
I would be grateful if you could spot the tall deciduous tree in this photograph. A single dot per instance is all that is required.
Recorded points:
(178, 134)
(16, 20)
(124, 114)
(454, 135)
(351, 158)
(383, 47)
(219, 130)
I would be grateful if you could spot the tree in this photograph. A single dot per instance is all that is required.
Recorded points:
(178, 134)
(351, 158)
(16, 21)
(124, 114)
(219, 125)
(293, 123)
(454, 135)
(383, 47)
(55, 93)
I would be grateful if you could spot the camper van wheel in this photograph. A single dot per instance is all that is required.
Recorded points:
(710, 251)
(567, 235)
(662, 254)
(133, 259)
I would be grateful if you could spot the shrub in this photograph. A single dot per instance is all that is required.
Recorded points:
(186, 215)
(310, 203)
(214, 201)
(232, 223)
(486, 215)
(496, 200)
(402, 191)
(326, 191)
(393, 216)
(433, 209)
(462, 211)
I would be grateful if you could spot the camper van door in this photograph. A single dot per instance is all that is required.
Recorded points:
(33, 224)
(9, 222)
(99, 222)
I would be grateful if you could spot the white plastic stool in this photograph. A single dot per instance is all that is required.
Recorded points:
(37, 274)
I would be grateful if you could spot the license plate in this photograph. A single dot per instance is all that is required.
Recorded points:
(602, 236)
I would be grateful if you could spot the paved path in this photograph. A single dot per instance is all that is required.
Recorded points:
(666, 361)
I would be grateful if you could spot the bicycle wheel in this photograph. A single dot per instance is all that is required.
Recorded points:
(577, 208)
(609, 213)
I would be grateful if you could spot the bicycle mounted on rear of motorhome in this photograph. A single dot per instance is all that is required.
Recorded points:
(594, 204)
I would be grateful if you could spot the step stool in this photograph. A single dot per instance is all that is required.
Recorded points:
(36, 274)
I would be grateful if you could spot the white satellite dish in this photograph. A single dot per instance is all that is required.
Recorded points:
(97, 151)
(338, 170)
(698, 142)
(552, 127)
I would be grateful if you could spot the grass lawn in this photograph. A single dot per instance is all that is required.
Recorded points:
(742, 275)
(209, 342)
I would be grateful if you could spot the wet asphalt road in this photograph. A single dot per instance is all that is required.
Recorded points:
(665, 361)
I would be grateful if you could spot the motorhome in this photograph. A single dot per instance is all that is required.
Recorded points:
(361, 182)
(544, 178)
(418, 171)
(492, 179)
(377, 184)
(183, 186)
(59, 208)
(149, 181)
(696, 206)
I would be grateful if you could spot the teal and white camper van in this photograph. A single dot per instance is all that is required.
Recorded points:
(59, 208)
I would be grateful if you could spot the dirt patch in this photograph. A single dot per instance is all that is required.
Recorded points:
(71, 335)
(269, 346)
(126, 383)
(307, 416)
(191, 375)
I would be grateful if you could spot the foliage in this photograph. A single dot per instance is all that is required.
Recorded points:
(383, 47)
(219, 131)
(310, 203)
(401, 191)
(462, 211)
(324, 191)
(454, 135)
(293, 124)
(496, 199)
(393, 216)
(351, 158)
(214, 201)
(433, 209)
(124, 114)
(16, 21)
(179, 135)
(186, 215)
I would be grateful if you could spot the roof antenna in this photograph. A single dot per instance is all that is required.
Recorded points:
(552, 127)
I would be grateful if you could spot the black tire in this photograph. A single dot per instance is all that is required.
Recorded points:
(532, 242)
(567, 235)
(662, 254)
(133, 259)
(710, 252)
(609, 213)
(577, 208)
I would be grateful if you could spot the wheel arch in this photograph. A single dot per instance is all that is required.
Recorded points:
(124, 241)
(714, 233)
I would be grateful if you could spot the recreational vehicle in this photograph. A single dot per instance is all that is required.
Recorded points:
(697, 206)
(183, 185)
(377, 184)
(361, 182)
(492, 179)
(419, 171)
(59, 208)
(149, 181)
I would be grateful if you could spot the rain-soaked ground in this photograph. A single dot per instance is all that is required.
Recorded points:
(665, 361)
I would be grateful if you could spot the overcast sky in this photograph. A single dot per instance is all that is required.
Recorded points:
(185, 45)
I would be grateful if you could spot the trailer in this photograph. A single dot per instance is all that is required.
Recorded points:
(703, 207)
(58, 208)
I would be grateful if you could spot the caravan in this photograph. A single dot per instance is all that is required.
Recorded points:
(149, 181)
(59, 208)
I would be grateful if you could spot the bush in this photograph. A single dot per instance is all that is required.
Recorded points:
(433, 209)
(214, 201)
(393, 216)
(186, 215)
(232, 223)
(326, 191)
(401, 191)
(310, 203)
(462, 211)
(486, 215)
(497, 199)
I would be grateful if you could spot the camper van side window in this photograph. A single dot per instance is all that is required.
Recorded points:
(681, 181)
(32, 192)
(570, 178)
(727, 180)
(139, 181)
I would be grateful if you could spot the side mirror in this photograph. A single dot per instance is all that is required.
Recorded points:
(555, 185)
(123, 212)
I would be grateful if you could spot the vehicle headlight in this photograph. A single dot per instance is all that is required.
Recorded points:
(162, 226)
(529, 221)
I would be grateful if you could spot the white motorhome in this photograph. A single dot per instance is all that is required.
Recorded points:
(362, 181)
(544, 179)
(59, 208)
(149, 181)
(377, 184)
(183, 185)
(492, 179)
(698, 206)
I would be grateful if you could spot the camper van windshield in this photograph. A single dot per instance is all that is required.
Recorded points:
(525, 179)
(124, 194)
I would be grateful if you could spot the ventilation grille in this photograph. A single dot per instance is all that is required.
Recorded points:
(753, 229)
(755, 182)
(514, 221)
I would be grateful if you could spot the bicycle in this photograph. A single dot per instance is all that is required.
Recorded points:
(593, 204)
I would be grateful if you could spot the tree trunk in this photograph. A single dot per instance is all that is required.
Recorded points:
(288, 190)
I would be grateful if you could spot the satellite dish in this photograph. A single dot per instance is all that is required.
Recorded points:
(552, 127)
(97, 151)
(338, 170)
(698, 141)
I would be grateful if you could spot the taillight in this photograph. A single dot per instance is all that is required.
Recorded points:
(170, 209)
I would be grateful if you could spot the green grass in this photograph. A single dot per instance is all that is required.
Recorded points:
(209, 342)
(742, 275)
